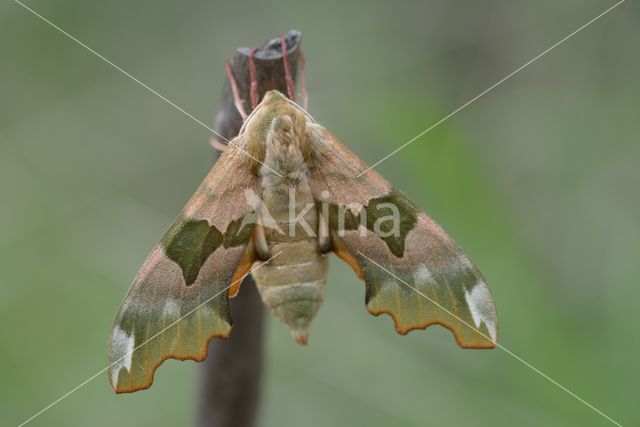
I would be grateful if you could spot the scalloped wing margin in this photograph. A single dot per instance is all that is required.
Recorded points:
(417, 274)
(179, 298)
(159, 321)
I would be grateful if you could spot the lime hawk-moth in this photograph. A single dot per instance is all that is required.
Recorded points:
(284, 193)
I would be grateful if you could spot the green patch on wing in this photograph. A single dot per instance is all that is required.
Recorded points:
(391, 217)
(240, 230)
(341, 218)
(189, 243)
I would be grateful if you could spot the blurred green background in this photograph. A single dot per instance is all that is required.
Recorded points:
(538, 181)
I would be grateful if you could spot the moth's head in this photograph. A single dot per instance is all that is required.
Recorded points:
(274, 97)
(278, 136)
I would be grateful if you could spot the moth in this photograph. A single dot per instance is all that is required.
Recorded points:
(284, 194)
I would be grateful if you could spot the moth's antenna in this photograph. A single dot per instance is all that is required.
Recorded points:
(234, 90)
(291, 88)
(303, 84)
(254, 83)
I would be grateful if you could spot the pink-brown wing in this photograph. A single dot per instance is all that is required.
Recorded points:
(179, 298)
(413, 270)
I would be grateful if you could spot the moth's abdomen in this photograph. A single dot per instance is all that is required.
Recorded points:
(292, 285)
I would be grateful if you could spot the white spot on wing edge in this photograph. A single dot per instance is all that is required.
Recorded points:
(481, 306)
(171, 309)
(422, 275)
(462, 259)
(122, 346)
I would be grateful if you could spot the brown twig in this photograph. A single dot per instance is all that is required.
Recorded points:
(230, 378)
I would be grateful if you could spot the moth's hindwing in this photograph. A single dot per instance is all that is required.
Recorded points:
(415, 273)
(179, 298)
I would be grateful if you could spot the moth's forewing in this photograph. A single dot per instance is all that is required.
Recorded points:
(416, 273)
(179, 299)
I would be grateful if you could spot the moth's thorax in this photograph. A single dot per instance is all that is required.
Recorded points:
(283, 159)
(278, 138)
